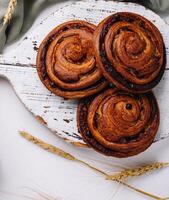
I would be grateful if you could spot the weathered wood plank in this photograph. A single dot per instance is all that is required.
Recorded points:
(59, 114)
(18, 65)
(24, 51)
(54, 112)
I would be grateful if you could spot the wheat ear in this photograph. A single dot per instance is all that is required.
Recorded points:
(10, 10)
(118, 178)
(138, 171)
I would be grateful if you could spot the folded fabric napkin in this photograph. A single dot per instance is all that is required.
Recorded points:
(16, 16)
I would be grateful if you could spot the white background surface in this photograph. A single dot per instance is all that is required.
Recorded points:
(23, 164)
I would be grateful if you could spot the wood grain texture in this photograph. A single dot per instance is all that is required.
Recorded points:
(18, 66)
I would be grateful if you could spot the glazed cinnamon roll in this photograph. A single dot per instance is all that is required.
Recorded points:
(130, 52)
(118, 123)
(66, 62)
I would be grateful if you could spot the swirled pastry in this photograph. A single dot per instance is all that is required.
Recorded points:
(66, 62)
(130, 52)
(118, 123)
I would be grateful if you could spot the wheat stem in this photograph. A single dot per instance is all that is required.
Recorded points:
(115, 177)
(10, 10)
(90, 166)
(141, 191)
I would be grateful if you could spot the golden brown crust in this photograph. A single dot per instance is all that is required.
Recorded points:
(130, 52)
(66, 62)
(117, 123)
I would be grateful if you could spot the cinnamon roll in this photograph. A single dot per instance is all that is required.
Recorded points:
(130, 52)
(118, 123)
(66, 62)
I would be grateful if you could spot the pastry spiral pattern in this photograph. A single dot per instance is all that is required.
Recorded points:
(130, 52)
(66, 62)
(118, 123)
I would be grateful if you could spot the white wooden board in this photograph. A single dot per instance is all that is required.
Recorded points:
(19, 67)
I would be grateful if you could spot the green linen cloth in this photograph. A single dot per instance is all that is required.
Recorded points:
(26, 11)
(158, 5)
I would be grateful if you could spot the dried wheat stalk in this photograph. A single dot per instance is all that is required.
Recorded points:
(10, 10)
(46, 146)
(138, 171)
(119, 177)
(55, 150)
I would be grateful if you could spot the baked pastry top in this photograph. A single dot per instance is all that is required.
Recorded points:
(118, 123)
(130, 52)
(66, 62)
